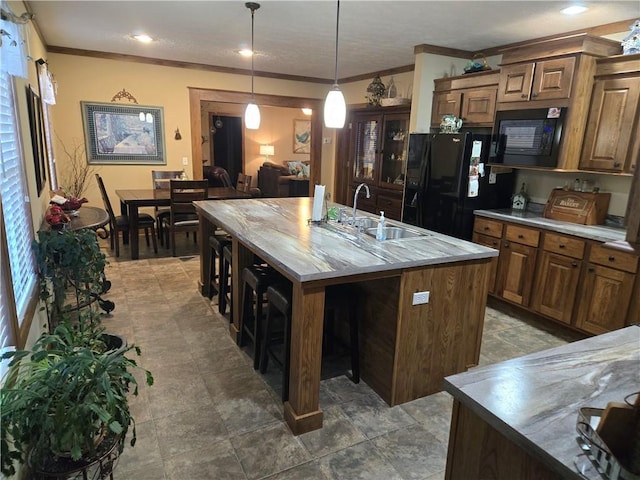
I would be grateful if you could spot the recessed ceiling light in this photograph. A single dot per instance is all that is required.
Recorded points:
(143, 38)
(245, 52)
(574, 10)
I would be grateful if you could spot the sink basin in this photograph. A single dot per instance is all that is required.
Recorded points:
(363, 222)
(394, 233)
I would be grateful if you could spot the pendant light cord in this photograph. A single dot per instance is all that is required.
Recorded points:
(335, 76)
(253, 53)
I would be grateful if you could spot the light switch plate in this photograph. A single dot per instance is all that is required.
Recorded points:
(492, 178)
(185, 160)
(420, 298)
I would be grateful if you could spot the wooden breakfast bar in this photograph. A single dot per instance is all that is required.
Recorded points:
(405, 350)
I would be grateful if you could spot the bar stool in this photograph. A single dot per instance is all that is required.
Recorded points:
(213, 272)
(255, 281)
(279, 302)
(224, 292)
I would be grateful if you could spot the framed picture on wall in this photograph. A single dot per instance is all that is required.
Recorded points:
(302, 136)
(123, 134)
(38, 144)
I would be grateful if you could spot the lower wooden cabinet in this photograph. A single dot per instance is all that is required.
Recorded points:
(605, 294)
(578, 282)
(516, 269)
(556, 286)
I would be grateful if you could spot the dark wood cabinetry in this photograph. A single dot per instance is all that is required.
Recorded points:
(612, 139)
(577, 282)
(379, 140)
(469, 97)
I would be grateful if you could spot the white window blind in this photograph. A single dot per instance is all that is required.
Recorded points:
(15, 206)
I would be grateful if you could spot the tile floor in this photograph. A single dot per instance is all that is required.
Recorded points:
(211, 416)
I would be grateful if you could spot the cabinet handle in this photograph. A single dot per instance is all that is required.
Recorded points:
(574, 264)
(562, 245)
(495, 242)
(486, 228)
(633, 166)
(612, 258)
(591, 269)
(617, 164)
(506, 244)
(534, 94)
(524, 95)
(520, 235)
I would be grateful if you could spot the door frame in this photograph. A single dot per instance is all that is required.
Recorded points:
(198, 95)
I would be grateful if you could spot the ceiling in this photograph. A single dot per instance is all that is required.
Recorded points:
(298, 37)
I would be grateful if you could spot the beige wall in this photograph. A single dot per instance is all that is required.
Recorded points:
(98, 80)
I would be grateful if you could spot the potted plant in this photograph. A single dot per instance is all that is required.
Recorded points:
(71, 272)
(64, 396)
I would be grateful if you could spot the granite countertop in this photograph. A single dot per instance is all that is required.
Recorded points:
(534, 400)
(600, 233)
(278, 231)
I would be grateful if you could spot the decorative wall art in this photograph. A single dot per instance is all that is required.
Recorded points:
(302, 136)
(119, 134)
(38, 144)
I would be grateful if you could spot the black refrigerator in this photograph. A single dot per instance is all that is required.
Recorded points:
(448, 178)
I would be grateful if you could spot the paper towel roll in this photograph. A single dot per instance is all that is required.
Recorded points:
(318, 203)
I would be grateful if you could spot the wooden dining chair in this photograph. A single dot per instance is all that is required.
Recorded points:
(120, 223)
(161, 180)
(182, 217)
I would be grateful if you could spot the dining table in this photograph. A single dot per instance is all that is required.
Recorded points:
(132, 199)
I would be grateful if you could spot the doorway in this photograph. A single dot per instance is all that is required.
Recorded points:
(226, 144)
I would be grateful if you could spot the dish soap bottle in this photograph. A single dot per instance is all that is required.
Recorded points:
(381, 233)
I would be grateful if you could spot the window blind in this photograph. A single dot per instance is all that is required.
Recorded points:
(18, 228)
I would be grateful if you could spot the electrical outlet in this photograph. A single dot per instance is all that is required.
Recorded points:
(185, 160)
(326, 140)
(420, 298)
(492, 178)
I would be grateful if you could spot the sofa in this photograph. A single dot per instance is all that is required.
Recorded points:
(274, 180)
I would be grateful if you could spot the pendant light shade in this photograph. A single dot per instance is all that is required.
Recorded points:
(335, 108)
(252, 113)
(252, 116)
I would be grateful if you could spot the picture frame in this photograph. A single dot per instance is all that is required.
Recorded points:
(302, 136)
(38, 143)
(123, 134)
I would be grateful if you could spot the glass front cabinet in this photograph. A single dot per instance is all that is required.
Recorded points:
(380, 138)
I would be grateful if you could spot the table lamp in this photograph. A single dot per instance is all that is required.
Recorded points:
(266, 150)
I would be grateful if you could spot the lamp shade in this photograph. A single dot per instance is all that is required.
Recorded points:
(252, 117)
(267, 150)
(335, 109)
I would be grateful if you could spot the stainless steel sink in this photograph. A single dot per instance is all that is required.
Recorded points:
(395, 233)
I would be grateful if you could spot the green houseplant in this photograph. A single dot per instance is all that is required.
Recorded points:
(65, 394)
(71, 271)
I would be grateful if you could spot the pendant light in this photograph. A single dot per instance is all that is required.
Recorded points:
(252, 113)
(335, 108)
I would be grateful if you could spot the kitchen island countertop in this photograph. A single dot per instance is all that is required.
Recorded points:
(277, 229)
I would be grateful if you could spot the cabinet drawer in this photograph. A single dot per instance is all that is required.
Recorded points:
(486, 240)
(488, 227)
(571, 247)
(523, 235)
(613, 258)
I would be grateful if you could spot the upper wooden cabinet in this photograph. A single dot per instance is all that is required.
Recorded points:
(612, 139)
(471, 97)
(536, 81)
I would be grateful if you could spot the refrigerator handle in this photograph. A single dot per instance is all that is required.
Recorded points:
(425, 170)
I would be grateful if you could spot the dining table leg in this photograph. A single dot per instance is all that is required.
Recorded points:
(302, 411)
(205, 230)
(133, 232)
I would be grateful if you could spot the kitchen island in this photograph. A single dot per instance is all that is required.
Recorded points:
(517, 419)
(405, 350)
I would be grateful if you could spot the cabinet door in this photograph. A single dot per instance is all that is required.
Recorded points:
(556, 285)
(445, 104)
(490, 242)
(479, 106)
(366, 143)
(604, 299)
(515, 82)
(517, 265)
(611, 125)
(553, 79)
(393, 155)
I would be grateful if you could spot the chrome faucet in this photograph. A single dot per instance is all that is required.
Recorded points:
(355, 200)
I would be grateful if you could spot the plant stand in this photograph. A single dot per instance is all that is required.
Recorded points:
(99, 467)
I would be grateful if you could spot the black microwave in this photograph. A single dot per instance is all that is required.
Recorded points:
(528, 138)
